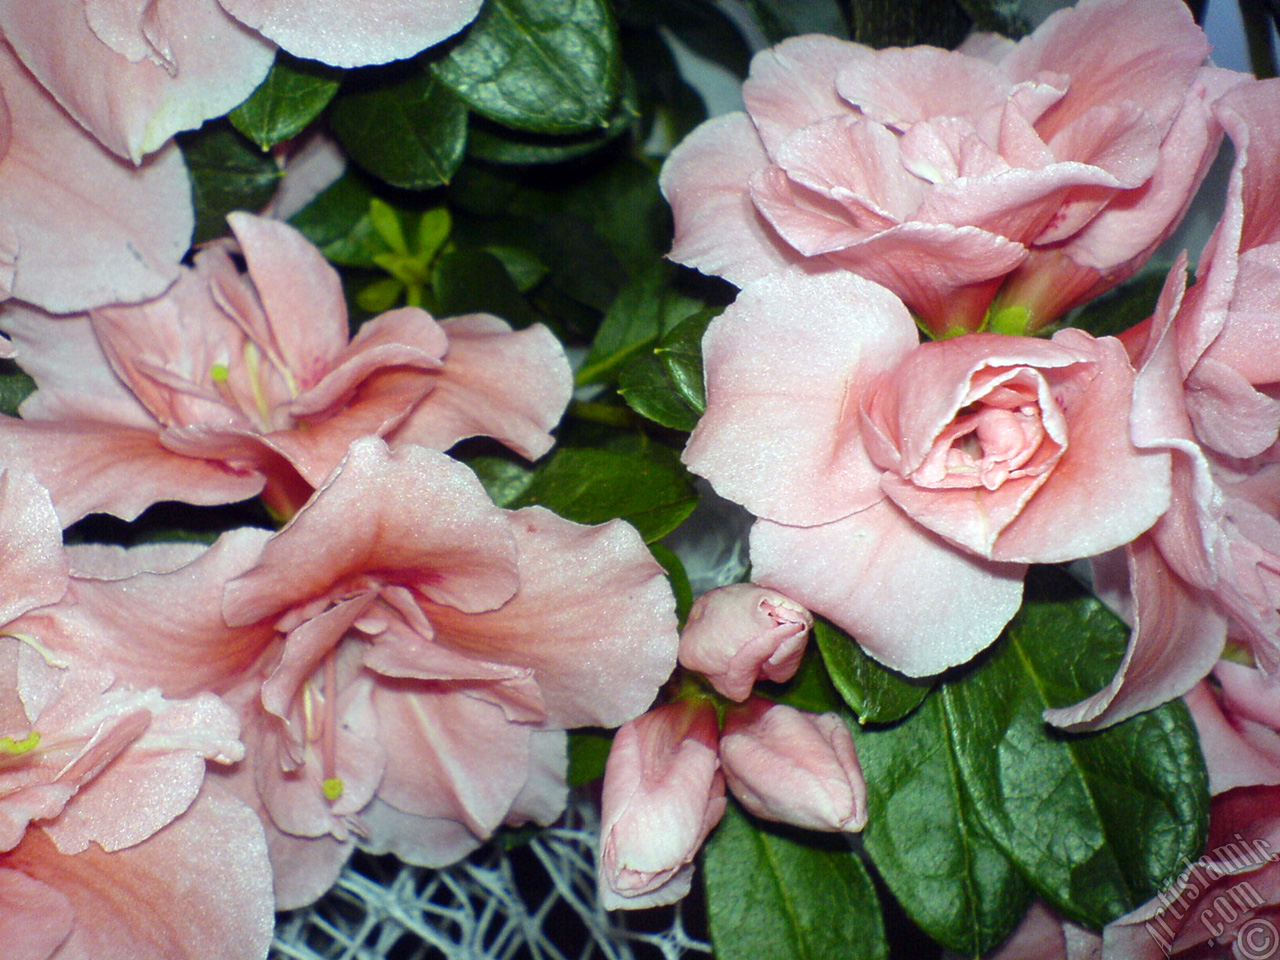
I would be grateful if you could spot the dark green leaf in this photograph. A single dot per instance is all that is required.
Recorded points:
(1097, 822)
(15, 386)
(475, 281)
(402, 125)
(546, 66)
(678, 577)
(699, 25)
(292, 95)
(227, 173)
(644, 310)
(681, 354)
(592, 486)
(504, 480)
(780, 894)
(925, 837)
(810, 689)
(588, 751)
(338, 222)
(780, 19)
(893, 23)
(499, 144)
(1128, 304)
(646, 386)
(874, 692)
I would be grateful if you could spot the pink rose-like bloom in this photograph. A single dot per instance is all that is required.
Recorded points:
(663, 793)
(79, 227)
(793, 766)
(737, 634)
(404, 656)
(905, 486)
(234, 382)
(939, 173)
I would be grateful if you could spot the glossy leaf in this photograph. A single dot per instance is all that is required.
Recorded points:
(293, 94)
(646, 386)
(588, 752)
(875, 693)
(338, 221)
(1098, 822)
(926, 838)
(402, 125)
(475, 281)
(681, 354)
(227, 173)
(1128, 304)
(677, 576)
(594, 486)
(775, 892)
(545, 66)
(15, 386)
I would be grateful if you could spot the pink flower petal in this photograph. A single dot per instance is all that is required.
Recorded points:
(35, 918)
(883, 578)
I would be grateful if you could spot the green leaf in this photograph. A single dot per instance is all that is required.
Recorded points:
(875, 693)
(475, 281)
(593, 486)
(677, 576)
(293, 94)
(926, 838)
(1097, 822)
(227, 173)
(779, 894)
(402, 125)
(810, 689)
(1128, 304)
(893, 23)
(588, 752)
(498, 144)
(701, 26)
(644, 310)
(380, 295)
(338, 222)
(15, 386)
(646, 386)
(780, 19)
(681, 354)
(545, 66)
(504, 480)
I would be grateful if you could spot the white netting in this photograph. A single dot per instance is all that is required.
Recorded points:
(533, 902)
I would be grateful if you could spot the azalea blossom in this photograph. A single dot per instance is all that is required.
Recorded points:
(79, 227)
(1059, 162)
(399, 614)
(905, 478)
(737, 634)
(663, 793)
(237, 383)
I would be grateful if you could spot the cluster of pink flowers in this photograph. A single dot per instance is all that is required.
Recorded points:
(395, 668)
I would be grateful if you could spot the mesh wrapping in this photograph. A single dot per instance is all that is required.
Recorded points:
(535, 901)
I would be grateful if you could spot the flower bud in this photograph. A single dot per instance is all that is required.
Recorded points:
(663, 793)
(793, 766)
(739, 633)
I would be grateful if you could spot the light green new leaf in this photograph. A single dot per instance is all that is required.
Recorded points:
(775, 893)
(545, 66)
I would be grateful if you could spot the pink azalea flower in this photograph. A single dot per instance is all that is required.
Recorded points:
(79, 227)
(737, 634)
(793, 766)
(400, 614)
(663, 793)
(1211, 566)
(903, 479)
(235, 383)
(938, 174)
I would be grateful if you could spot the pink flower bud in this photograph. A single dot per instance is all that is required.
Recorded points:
(663, 792)
(793, 766)
(739, 633)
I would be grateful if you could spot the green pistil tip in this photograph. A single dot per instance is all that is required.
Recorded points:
(219, 372)
(332, 788)
(1013, 319)
(15, 748)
